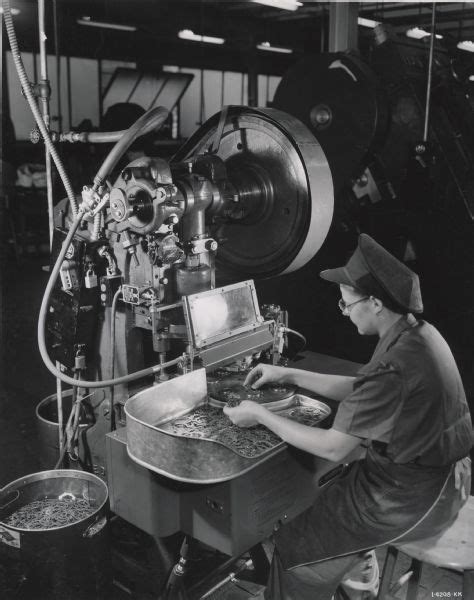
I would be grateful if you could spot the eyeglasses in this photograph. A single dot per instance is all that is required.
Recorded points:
(345, 307)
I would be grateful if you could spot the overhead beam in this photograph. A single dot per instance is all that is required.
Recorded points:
(343, 31)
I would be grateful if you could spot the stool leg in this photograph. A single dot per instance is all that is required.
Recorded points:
(468, 585)
(387, 572)
(414, 581)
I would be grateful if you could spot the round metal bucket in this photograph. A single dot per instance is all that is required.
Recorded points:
(68, 562)
(47, 427)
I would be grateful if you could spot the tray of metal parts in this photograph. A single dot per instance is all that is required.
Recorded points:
(173, 429)
(208, 422)
(227, 389)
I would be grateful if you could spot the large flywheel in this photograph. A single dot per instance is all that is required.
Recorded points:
(282, 190)
(337, 96)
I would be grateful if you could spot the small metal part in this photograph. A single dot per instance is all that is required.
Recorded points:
(321, 116)
(215, 505)
(67, 496)
(35, 136)
(211, 245)
(130, 242)
(131, 294)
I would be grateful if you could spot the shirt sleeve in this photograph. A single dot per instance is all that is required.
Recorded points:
(372, 409)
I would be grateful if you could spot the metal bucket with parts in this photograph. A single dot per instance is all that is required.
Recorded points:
(54, 536)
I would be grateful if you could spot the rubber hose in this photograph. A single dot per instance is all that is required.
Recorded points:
(152, 119)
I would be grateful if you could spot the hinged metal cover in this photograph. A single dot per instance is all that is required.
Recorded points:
(221, 313)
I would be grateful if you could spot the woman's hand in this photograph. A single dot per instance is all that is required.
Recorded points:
(246, 414)
(262, 374)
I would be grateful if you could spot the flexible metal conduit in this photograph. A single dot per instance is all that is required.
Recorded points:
(25, 84)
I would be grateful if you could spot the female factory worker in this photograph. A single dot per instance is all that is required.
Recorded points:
(409, 406)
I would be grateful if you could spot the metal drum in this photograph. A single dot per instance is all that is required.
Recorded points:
(55, 561)
(47, 427)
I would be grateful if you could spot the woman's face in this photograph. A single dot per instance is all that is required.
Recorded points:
(360, 309)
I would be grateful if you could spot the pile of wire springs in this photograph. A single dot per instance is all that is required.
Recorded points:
(209, 423)
(50, 513)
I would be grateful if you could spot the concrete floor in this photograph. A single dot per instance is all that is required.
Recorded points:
(26, 382)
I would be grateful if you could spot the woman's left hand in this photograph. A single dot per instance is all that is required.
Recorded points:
(246, 414)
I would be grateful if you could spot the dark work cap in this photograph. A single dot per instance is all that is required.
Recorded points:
(374, 271)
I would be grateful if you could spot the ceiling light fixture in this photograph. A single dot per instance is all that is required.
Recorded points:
(418, 34)
(187, 34)
(104, 25)
(14, 11)
(268, 47)
(367, 22)
(471, 77)
(466, 45)
(283, 4)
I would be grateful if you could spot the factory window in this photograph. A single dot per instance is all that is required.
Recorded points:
(107, 69)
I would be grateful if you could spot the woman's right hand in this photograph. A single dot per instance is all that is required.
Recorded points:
(262, 374)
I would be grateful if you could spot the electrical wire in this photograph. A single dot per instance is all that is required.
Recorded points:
(297, 334)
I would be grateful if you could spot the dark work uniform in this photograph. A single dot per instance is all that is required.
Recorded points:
(409, 402)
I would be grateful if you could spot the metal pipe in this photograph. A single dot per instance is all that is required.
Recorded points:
(59, 403)
(430, 72)
(113, 314)
(44, 99)
(58, 64)
(230, 578)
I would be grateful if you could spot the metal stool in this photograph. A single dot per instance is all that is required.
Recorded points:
(453, 549)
